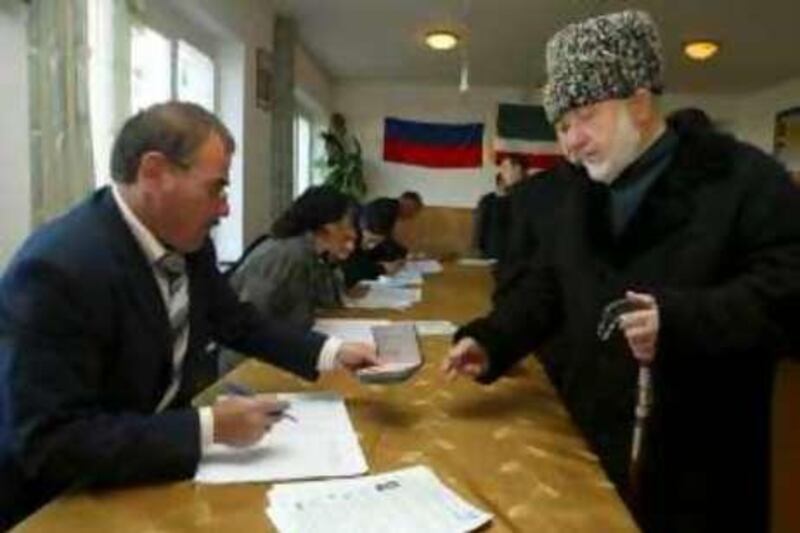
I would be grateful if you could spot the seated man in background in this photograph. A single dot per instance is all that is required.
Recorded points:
(405, 231)
(699, 237)
(492, 219)
(104, 316)
(378, 224)
(689, 119)
(410, 205)
(291, 274)
(375, 253)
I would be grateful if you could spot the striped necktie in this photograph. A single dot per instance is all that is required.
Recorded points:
(173, 267)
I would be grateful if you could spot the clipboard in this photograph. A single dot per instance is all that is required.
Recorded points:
(399, 354)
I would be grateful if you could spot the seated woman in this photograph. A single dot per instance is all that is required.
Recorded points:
(289, 275)
(376, 253)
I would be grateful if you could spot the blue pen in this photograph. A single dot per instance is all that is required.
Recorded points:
(243, 390)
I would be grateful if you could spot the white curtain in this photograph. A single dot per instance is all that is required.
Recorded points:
(61, 140)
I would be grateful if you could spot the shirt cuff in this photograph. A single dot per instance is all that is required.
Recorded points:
(328, 356)
(206, 429)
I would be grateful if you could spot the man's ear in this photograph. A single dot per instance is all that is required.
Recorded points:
(642, 107)
(152, 166)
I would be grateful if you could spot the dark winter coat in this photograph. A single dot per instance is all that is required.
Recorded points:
(716, 240)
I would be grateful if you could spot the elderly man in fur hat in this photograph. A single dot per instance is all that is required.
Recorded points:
(700, 235)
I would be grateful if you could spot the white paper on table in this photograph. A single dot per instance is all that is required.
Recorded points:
(321, 442)
(348, 329)
(476, 262)
(382, 297)
(434, 327)
(404, 501)
(424, 266)
(402, 278)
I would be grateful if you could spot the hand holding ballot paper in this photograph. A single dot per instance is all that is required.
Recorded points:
(399, 355)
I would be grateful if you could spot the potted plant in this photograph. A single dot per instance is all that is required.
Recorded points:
(343, 165)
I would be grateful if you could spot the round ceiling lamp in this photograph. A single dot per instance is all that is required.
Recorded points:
(701, 50)
(441, 40)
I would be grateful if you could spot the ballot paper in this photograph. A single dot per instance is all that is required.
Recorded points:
(434, 327)
(399, 355)
(360, 329)
(319, 441)
(410, 500)
(349, 329)
(402, 278)
(423, 266)
(476, 261)
(382, 297)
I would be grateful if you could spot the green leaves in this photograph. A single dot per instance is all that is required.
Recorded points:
(345, 170)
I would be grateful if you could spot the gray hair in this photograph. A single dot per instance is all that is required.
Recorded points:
(175, 129)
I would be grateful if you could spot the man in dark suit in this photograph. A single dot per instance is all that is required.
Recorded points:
(104, 314)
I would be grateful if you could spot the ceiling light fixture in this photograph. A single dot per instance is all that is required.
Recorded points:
(441, 40)
(701, 50)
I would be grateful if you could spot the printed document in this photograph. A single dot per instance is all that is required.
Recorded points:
(410, 500)
(318, 441)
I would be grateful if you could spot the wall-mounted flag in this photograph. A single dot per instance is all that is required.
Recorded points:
(433, 145)
(524, 130)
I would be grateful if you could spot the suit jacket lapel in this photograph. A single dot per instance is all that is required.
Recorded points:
(133, 265)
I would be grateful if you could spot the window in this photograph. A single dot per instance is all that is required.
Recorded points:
(154, 74)
(151, 68)
(162, 67)
(302, 154)
(101, 85)
(195, 76)
(141, 53)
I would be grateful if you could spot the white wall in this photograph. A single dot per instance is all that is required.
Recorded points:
(756, 121)
(313, 86)
(15, 182)
(750, 117)
(365, 105)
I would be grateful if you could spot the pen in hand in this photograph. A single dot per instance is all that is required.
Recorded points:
(239, 389)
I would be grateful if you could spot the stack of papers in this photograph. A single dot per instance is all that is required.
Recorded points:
(383, 297)
(476, 261)
(349, 329)
(402, 278)
(424, 266)
(360, 330)
(434, 327)
(319, 441)
(405, 501)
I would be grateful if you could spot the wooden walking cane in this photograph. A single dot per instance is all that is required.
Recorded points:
(609, 321)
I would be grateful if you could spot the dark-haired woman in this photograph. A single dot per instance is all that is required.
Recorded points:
(289, 275)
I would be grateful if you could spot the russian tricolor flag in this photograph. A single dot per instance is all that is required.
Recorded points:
(433, 145)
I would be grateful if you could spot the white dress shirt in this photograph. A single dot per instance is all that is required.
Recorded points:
(153, 251)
